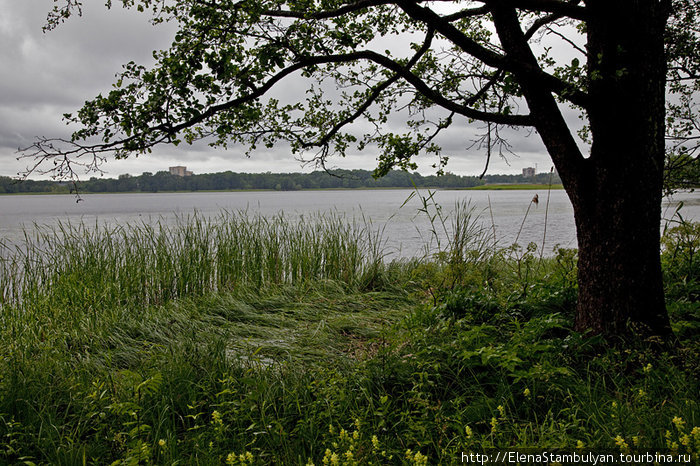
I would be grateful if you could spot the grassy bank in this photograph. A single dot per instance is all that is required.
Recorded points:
(245, 340)
(509, 187)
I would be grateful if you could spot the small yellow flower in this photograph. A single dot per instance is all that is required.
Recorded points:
(678, 422)
(468, 431)
(343, 434)
(614, 404)
(620, 442)
(409, 454)
(685, 440)
(330, 429)
(501, 410)
(355, 435)
(161, 443)
(526, 392)
(357, 424)
(216, 418)
(647, 368)
(335, 459)
(420, 459)
(249, 456)
(642, 393)
(375, 443)
(494, 423)
(348, 456)
(580, 445)
(327, 456)
(231, 458)
(635, 440)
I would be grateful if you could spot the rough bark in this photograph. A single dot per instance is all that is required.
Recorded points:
(616, 191)
(617, 197)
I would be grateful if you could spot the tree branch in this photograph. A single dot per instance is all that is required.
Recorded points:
(374, 94)
(569, 8)
(506, 62)
(348, 8)
(551, 125)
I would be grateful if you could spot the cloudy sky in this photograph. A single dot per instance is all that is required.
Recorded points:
(44, 75)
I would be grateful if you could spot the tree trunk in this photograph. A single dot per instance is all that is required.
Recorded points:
(617, 196)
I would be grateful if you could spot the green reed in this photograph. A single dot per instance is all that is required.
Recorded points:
(150, 264)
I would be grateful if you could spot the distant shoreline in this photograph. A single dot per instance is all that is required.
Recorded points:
(491, 187)
(512, 187)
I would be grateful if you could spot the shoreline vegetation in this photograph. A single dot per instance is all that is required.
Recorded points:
(229, 181)
(253, 340)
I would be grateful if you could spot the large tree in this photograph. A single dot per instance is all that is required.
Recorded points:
(505, 63)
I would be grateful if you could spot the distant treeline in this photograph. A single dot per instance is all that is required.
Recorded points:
(164, 181)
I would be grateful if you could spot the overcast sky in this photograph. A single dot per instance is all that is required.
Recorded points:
(44, 75)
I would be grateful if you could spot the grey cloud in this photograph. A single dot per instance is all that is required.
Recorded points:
(46, 75)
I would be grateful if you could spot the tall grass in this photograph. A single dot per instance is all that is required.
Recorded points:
(251, 340)
(144, 264)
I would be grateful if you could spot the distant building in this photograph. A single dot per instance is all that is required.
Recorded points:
(529, 172)
(180, 171)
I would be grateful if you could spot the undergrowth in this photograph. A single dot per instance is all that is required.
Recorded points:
(258, 341)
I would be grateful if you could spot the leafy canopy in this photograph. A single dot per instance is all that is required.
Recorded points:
(437, 63)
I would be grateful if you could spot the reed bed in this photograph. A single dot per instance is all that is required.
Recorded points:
(145, 264)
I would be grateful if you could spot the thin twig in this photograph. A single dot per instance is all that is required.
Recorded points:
(546, 211)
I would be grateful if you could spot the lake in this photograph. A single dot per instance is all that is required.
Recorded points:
(406, 229)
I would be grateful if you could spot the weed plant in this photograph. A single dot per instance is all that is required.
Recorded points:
(245, 340)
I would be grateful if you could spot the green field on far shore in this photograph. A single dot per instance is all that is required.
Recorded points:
(507, 187)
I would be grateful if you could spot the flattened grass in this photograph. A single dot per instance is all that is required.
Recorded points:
(276, 341)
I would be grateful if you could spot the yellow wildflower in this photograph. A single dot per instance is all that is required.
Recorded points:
(327, 456)
(620, 442)
(348, 456)
(216, 418)
(580, 445)
(335, 459)
(375, 443)
(231, 458)
(678, 422)
(161, 443)
(494, 423)
(420, 459)
(685, 440)
(526, 392)
(642, 393)
(468, 431)
(501, 410)
(355, 435)
(647, 368)
(635, 440)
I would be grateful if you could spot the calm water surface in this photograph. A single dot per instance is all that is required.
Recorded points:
(406, 229)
